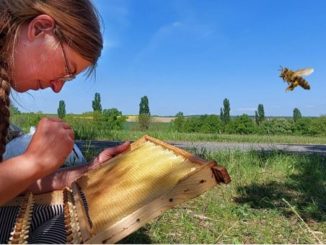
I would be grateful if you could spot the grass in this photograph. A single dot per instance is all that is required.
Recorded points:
(256, 207)
(175, 136)
(163, 131)
(85, 128)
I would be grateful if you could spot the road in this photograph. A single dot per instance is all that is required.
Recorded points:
(217, 146)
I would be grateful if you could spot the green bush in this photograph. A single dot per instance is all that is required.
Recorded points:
(178, 122)
(241, 125)
(26, 120)
(276, 127)
(210, 124)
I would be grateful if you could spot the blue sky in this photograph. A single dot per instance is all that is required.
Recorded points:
(188, 55)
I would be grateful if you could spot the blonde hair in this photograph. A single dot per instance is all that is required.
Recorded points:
(77, 24)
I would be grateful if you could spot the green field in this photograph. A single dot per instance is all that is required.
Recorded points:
(86, 128)
(176, 136)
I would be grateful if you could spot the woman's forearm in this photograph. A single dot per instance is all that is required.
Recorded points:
(58, 180)
(15, 175)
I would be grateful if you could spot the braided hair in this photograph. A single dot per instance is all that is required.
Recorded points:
(4, 84)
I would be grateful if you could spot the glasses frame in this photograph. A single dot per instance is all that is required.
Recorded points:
(69, 75)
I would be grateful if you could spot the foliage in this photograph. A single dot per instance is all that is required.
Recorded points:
(87, 128)
(260, 114)
(210, 124)
(14, 110)
(97, 116)
(276, 127)
(318, 126)
(178, 122)
(144, 117)
(192, 124)
(201, 124)
(296, 114)
(225, 112)
(241, 125)
(301, 126)
(62, 109)
(96, 103)
(26, 120)
(144, 121)
(113, 118)
(111, 124)
(144, 106)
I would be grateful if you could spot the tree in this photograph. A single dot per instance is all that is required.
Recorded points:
(62, 109)
(260, 114)
(113, 118)
(14, 110)
(296, 114)
(143, 106)
(225, 111)
(242, 125)
(96, 103)
(178, 122)
(144, 113)
(210, 124)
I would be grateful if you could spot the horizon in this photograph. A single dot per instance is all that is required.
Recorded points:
(173, 116)
(188, 56)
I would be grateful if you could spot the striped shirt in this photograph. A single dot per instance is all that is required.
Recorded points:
(47, 225)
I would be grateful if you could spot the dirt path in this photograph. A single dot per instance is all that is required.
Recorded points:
(217, 146)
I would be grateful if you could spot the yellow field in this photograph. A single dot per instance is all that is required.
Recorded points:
(134, 118)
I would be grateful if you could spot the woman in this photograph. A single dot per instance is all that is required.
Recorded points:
(43, 44)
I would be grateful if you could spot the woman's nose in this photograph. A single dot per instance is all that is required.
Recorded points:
(57, 85)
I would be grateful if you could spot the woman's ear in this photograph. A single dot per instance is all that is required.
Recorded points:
(40, 25)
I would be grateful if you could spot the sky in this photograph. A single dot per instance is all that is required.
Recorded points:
(189, 55)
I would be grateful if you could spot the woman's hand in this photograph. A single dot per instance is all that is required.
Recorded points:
(51, 143)
(108, 154)
(65, 177)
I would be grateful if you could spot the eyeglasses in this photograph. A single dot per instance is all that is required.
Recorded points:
(69, 75)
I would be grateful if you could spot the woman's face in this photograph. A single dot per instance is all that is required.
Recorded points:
(39, 59)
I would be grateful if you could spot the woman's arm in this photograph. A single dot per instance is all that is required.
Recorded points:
(16, 174)
(65, 177)
(57, 180)
(50, 145)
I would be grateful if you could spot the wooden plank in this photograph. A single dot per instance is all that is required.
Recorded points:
(83, 219)
(50, 198)
(137, 143)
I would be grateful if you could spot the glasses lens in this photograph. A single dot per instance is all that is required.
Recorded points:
(69, 75)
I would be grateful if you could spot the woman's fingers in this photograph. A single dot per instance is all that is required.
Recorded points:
(109, 153)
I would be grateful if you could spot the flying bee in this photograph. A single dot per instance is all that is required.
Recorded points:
(295, 78)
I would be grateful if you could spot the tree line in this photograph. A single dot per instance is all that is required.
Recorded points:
(113, 119)
(244, 124)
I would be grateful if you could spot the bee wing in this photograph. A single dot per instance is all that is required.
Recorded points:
(303, 72)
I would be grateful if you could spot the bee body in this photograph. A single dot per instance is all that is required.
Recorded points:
(294, 78)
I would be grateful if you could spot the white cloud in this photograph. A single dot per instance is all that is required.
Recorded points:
(174, 32)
